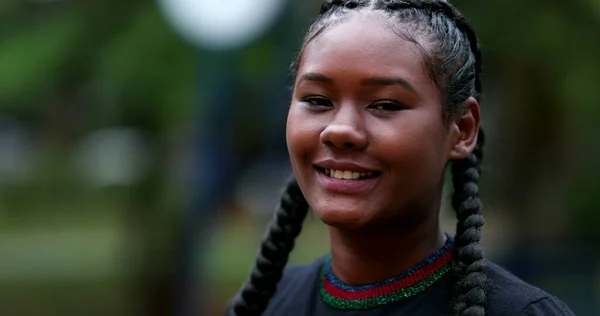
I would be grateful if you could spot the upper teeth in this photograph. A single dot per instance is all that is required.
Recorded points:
(344, 174)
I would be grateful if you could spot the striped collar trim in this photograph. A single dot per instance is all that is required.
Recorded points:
(338, 295)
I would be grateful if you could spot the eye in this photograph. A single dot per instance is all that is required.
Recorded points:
(386, 106)
(317, 101)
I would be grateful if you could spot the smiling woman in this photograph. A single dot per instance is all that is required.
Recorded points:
(386, 97)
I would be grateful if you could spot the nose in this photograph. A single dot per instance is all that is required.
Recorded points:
(345, 132)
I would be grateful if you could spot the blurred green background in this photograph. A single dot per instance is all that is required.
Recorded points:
(106, 110)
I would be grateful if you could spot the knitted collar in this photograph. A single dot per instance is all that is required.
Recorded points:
(417, 279)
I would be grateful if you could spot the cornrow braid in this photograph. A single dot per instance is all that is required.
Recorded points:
(328, 9)
(329, 4)
(273, 255)
(465, 27)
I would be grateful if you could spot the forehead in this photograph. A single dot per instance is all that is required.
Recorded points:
(364, 44)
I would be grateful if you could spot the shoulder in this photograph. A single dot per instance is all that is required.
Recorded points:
(299, 277)
(296, 289)
(509, 295)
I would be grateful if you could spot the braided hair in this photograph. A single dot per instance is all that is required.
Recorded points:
(453, 58)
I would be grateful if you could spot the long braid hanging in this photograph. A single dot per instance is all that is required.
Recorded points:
(273, 255)
(470, 263)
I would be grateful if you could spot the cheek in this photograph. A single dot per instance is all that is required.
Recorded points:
(301, 134)
(414, 147)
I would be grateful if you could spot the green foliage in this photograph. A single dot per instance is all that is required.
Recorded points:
(144, 63)
(31, 61)
(150, 68)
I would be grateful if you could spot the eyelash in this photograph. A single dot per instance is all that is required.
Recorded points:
(312, 101)
(391, 106)
(382, 106)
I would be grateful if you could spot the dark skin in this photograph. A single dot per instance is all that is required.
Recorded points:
(364, 102)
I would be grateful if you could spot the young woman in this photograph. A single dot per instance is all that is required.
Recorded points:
(386, 96)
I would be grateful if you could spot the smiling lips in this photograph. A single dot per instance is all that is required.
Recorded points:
(345, 170)
(347, 175)
(350, 179)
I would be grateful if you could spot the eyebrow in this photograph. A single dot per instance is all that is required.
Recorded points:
(315, 76)
(382, 81)
(388, 81)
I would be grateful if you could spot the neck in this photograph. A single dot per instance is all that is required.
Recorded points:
(364, 257)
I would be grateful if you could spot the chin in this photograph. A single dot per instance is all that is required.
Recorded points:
(343, 218)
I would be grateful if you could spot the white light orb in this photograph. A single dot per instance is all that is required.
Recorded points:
(222, 24)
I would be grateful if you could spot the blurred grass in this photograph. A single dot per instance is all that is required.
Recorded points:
(56, 265)
(76, 297)
(67, 263)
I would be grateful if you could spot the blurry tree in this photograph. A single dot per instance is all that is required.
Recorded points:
(541, 67)
(68, 68)
(542, 111)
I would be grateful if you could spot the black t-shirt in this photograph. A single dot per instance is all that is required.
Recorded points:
(298, 295)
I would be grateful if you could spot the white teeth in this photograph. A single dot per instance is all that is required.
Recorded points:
(338, 174)
(347, 175)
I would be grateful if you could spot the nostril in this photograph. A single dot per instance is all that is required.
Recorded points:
(345, 145)
(344, 137)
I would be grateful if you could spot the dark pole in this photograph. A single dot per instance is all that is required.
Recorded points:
(212, 176)
(213, 172)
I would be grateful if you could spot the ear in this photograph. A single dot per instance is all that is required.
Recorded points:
(463, 130)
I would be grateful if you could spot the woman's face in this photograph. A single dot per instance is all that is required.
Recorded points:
(365, 132)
